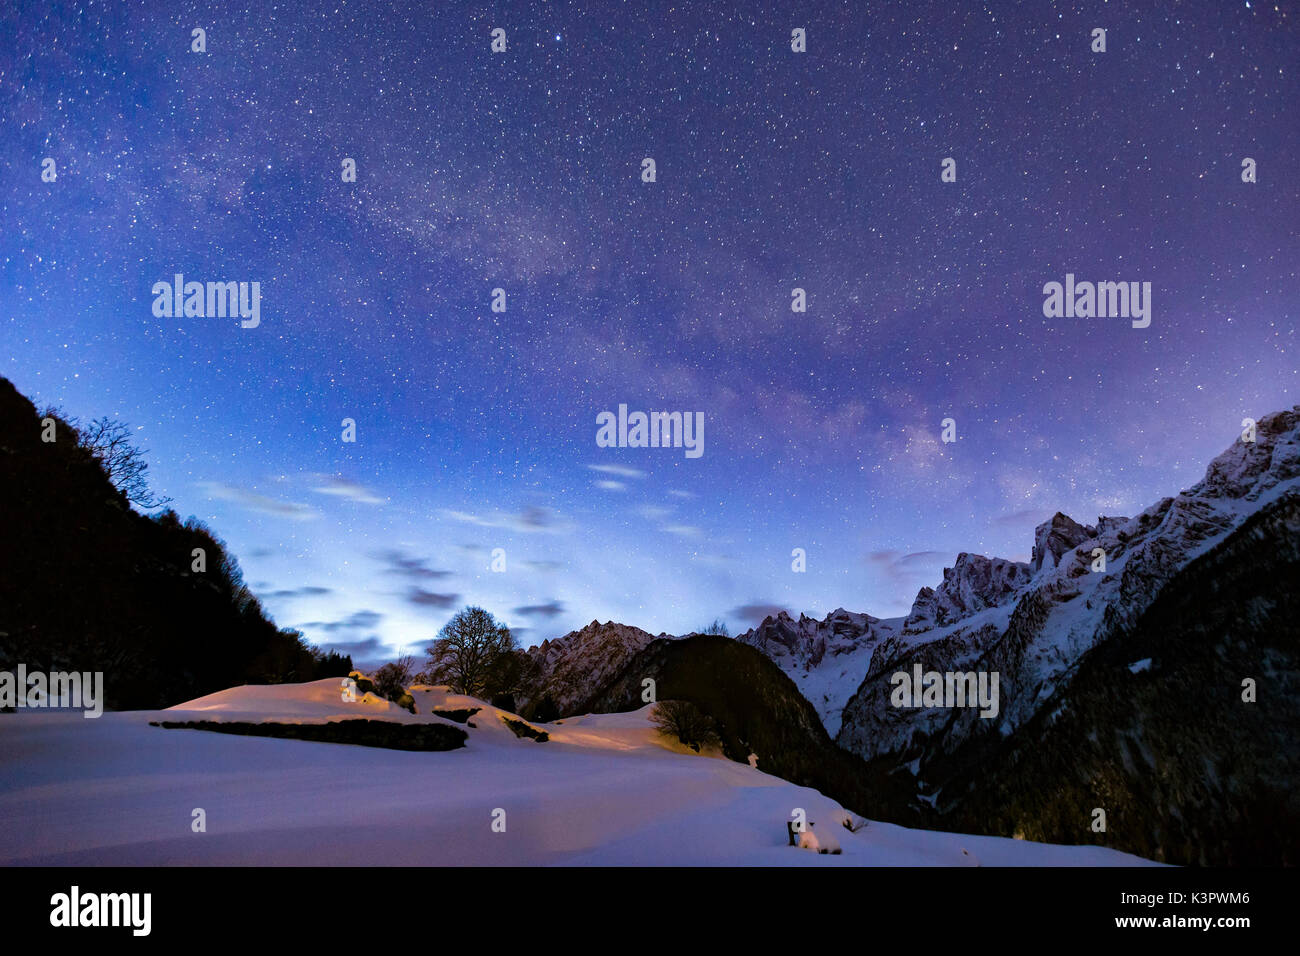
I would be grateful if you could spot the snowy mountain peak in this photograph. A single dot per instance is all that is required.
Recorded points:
(824, 658)
(808, 640)
(571, 668)
(972, 584)
(1071, 603)
(1250, 469)
(1061, 534)
(1054, 537)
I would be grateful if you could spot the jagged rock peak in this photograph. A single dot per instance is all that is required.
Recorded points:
(1057, 536)
(572, 667)
(1249, 469)
(973, 583)
(1061, 534)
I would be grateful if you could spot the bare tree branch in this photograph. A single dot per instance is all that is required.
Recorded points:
(109, 442)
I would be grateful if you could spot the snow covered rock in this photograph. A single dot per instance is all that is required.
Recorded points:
(1036, 635)
(573, 667)
(972, 584)
(1055, 537)
(820, 841)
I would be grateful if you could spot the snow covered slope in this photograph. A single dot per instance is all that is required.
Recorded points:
(314, 702)
(604, 790)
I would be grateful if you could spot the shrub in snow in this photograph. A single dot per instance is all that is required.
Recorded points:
(522, 729)
(406, 702)
(364, 684)
(458, 714)
(686, 722)
(390, 680)
(362, 731)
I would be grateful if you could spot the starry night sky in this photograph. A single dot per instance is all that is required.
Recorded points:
(476, 430)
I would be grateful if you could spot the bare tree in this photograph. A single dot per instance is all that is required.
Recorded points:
(686, 722)
(392, 679)
(719, 626)
(108, 441)
(467, 652)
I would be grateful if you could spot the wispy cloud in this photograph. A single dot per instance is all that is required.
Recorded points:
(422, 598)
(545, 567)
(309, 591)
(529, 520)
(905, 574)
(260, 503)
(403, 564)
(622, 471)
(342, 488)
(682, 530)
(550, 609)
(358, 620)
(1027, 517)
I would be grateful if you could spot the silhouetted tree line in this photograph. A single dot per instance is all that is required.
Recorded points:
(89, 584)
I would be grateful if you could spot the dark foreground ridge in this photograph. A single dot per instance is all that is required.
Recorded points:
(756, 708)
(88, 584)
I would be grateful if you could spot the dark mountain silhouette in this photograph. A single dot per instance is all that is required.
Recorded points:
(88, 584)
(756, 708)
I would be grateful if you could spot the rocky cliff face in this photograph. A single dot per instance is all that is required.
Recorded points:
(1055, 538)
(1182, 727)
(1036, 635)
(572, 667)
(1038, 638)
(827, 659)
(971, 585)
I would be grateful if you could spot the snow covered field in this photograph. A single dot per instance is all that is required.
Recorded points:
(604, 790)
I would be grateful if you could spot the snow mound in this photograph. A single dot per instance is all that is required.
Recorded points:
(314, 702)
(822, 841)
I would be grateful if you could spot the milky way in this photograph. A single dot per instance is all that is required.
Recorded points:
(522, 171)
